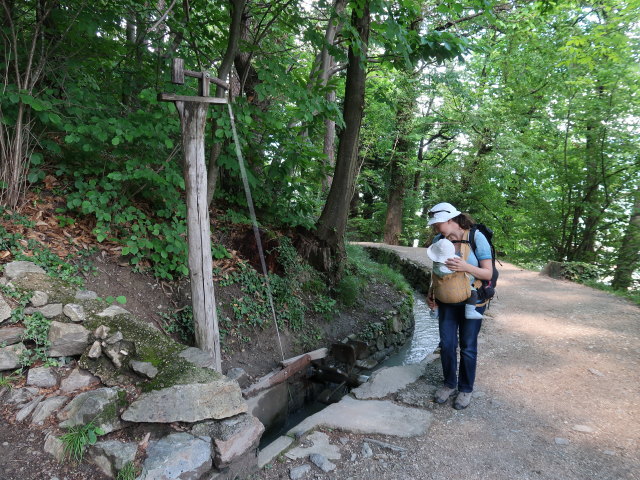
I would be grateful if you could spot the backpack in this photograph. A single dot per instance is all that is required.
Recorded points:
(487, 290)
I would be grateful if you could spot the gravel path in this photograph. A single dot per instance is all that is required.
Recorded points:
(557, 396)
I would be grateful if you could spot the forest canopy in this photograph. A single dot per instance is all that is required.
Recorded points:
(354, 117)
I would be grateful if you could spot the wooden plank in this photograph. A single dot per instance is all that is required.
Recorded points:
(314, 355)
(216, 80)
(279, 376)
(177, 71)
(170, 97)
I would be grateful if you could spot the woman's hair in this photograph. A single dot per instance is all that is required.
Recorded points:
(464, 220)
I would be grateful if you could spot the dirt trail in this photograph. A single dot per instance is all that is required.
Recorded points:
(557, 394)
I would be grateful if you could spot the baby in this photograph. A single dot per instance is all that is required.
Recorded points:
(439, 252)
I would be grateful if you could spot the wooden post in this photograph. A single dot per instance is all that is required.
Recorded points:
(193, 117)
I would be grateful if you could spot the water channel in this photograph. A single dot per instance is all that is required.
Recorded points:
(424, 341)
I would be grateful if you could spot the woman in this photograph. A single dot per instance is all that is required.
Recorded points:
(455, 226)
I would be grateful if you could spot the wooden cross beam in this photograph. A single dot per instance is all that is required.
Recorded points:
(178, 73)
(193, 117)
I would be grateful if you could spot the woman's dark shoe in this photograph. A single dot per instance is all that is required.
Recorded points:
(443, 394)
(462, 400)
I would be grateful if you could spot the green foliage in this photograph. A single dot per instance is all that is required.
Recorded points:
(181, 323)
(348, 290)
(37, 332)
(127, 472)
(580, 271)
(8, 380)
(361, 266)
(78, 438)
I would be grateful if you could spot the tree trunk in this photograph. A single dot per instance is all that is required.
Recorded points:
(629, 252)
(325, 248)
(236, 8)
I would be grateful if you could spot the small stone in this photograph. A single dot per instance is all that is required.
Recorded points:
(366, 450)
(78, 379)
(74, 312)
(42, 377)
(15, 269)
(609, 452)
(10, 356)
(28, 408)
(115, 338)
(583, 428)
(5, 310)
(322, 463)
(143, 368)
(84, 295)
(101, 332)
(296, 473)
(344, 440)
(11, 335)
(95, 351)
(39, 299)
(596, 372)
(561, 441)
(51, 310)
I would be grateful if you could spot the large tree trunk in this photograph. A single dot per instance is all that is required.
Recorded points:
(325, 248)
(629, 252)
(399, 177)
(236, 8)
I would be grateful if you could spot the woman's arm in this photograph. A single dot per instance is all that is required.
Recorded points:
(483, 272)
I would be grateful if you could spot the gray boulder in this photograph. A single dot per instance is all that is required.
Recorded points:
(20, 396)
(25, 411)
(39, 299)
(178, 456)
(10, 356)
(74, 312)
(99, 406)
(5, 310)
(46, 407)
(85, 295)
(78, 379)
(16, 269)
(217, 399)
(146, 369)
(112, 455)
(42, 377)
(232, 438)
(67, 339)
(10, 335)
(52, 310)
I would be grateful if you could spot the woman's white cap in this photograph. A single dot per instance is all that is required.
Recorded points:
(441, 251)
(442, 212)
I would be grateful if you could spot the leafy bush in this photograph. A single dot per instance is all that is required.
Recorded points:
(36, 331)
(348, 290)
(181, 323)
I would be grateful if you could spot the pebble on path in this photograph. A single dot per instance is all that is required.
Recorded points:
(583, 428)
(296, 473)
(562, 441)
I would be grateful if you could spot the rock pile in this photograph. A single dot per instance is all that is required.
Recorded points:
(119, 374)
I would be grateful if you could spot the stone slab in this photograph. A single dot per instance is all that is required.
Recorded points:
(10, 335)
(369, 417)
(271, 451)
(389, 380)
(218, 399)
(318, 443)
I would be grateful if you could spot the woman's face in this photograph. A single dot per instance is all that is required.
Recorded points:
(445, 228)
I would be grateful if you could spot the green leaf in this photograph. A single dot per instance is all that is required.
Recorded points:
(115, 141)
(121, 299)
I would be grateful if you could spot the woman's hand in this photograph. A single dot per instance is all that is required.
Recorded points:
(431, 300)
(457, 264)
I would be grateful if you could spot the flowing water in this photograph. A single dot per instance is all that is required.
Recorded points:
(425, 337)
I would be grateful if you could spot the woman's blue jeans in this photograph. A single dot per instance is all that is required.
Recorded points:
(452, 325)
